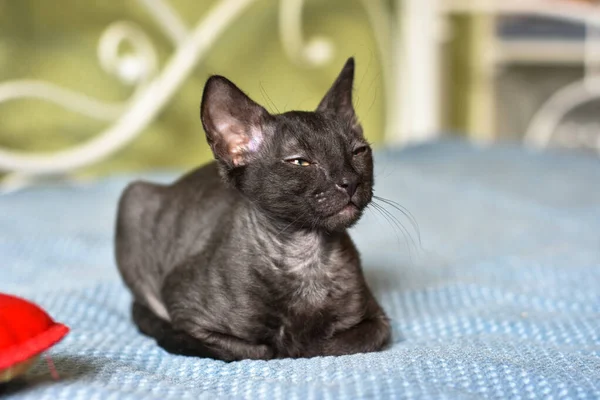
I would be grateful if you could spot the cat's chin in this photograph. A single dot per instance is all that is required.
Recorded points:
(343, 219)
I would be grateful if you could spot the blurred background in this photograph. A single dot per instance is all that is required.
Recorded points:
(73, 72)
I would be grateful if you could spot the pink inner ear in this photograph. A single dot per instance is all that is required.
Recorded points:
(239, 142)
(236, 148)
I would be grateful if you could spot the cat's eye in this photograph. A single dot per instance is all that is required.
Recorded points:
(360, 150)
(299, 161)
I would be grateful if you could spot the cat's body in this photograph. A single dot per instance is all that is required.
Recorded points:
(249, 257)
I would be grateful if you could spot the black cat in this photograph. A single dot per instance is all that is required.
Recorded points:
(248, 257)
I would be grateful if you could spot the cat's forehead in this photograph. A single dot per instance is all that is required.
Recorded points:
(313, 131)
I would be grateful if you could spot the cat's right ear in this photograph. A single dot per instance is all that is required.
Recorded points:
(234, 123)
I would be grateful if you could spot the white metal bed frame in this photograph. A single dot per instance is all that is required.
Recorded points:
(410, 71)
(422, 43)
(154, 88)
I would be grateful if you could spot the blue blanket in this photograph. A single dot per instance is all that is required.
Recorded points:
(495, 295)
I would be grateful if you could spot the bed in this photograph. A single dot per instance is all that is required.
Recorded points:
(494, 292)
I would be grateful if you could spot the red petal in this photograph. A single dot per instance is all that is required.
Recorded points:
(25, 330)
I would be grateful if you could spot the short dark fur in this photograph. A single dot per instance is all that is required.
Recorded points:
(248, 257)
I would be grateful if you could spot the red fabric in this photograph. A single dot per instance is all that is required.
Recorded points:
(25, 330)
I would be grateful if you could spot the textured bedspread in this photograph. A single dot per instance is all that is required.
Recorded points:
(500, 298)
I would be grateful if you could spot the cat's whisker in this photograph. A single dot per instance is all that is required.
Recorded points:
(399, 207)
(314, 223)
(270, 218)
(397, 220)
(366, 69)
(396, 225)
(405, 212)
(290, 224)
(372, 102)
(376, 207)
(267, 98)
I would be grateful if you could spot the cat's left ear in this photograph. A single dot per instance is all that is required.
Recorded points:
(338, 99)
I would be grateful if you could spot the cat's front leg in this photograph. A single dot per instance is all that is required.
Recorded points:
(368, 336)
(226, 347)
(206, 319)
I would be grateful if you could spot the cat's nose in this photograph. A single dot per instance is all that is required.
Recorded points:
(349, 185)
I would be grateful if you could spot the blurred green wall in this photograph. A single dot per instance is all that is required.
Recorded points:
(56, 41)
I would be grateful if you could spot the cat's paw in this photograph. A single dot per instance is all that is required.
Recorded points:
(369, 336)
(260, 352)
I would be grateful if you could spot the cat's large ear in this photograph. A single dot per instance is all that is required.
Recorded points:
(234, 123)
(338, 99)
